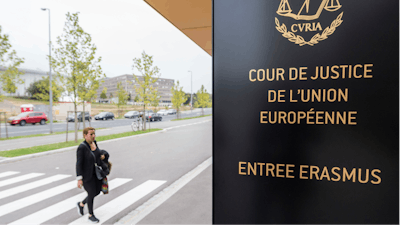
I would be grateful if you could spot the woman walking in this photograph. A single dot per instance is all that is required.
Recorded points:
(87, 155)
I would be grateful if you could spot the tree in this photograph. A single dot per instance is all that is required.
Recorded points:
(154, 98)
(150, 75)
(40, 89)
(178, 97)
(103, 94)
(9, 59)
(136, 99)
(129, 97)
(122, 96)
(111, 95)
(203, 99)
(74, 59)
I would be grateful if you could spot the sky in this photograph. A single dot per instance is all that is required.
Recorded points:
(121, 30)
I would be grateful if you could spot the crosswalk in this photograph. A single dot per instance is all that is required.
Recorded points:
(32, 208)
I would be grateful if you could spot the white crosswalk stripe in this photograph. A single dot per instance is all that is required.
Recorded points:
(9, 173)
(41, 213)
(110, 209)
(19, 179)
(62, 207)
(32, 185)
(30, 200)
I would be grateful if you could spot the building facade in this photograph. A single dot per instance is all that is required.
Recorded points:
(163, 85)
(29, 77)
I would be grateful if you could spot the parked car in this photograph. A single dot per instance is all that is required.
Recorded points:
(71, 117)
(131, 114)
(153, 117)
(163, 112)
(171, 111)
(147, 111)
(28, 117)
(104, 116)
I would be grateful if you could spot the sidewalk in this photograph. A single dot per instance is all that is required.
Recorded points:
(187, 201)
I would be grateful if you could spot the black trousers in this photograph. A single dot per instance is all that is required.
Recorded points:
(93, 188)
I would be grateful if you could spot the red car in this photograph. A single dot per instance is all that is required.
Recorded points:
(28, 117)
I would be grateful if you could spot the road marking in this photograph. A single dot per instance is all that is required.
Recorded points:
(63, 206)
(146, 208)
(20, 178)
(35, 198)
(115, 206)
(8, 173)
(32, 185)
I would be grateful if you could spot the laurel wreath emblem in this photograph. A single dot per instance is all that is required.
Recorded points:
(297, 39)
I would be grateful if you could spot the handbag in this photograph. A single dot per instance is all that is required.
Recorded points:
(99, 170)
(104, 185)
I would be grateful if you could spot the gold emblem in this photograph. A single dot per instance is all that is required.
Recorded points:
(285, 10)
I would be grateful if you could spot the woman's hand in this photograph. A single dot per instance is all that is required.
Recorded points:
(80, 183)
(102, 157)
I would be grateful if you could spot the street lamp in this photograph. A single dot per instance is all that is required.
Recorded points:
(191, 92)
(51, 93)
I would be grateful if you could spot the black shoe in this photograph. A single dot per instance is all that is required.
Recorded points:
(80, 209)
(93, 219)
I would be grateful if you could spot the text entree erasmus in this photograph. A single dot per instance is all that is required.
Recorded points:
(309, 172)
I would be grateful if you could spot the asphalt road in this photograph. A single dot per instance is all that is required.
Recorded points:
(30, 129)
(142, 167)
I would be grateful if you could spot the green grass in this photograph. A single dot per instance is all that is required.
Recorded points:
(40, 135)
(44, 148)
(188, 118)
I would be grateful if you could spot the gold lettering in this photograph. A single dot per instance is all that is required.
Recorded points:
(262, 117)
(366, 70)
(376, 176)
(279, 170)
(252, 80)
(289, 171)
(314, 172)
(302, 172)
(269, 167)
(241, 168)
(336, 174)
(348, 176)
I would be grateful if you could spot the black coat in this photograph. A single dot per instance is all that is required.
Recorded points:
(85, 162)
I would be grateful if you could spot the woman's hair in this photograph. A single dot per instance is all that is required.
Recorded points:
(109, 166)
(86, 130)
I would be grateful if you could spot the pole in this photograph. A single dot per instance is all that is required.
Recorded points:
(50, 91)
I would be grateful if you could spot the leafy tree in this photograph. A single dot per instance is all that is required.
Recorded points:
(203, 99)
(74, 59)
(154, 98)
(111, 95)
(9, 59)
(150, 75)
(178, 97)
(122, 96)
(40, 89)
(103, 94)
(136, 99)
(90, 74)
(129, 97)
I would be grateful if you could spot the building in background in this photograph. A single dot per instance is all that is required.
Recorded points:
(29, 77)
(128, 82)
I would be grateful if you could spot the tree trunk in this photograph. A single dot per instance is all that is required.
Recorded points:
(84, 116)
(144, 116)
(202, 111)
(76, 123)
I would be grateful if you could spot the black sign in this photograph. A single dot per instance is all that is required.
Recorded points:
(306, 111)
